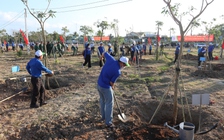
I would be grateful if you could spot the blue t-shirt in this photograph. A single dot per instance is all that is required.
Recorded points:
(110, 72)
(87, 51)
(35, 66)
(211, 48)
(177, 49)
(101, 49)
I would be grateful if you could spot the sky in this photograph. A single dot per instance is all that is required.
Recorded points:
(133, 15)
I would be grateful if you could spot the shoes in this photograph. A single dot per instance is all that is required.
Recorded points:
(44, 103)
(111, 126)
(34, 106)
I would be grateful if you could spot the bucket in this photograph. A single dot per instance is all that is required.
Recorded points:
(186, 131)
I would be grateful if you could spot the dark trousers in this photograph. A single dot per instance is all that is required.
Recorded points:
(210, 55)
(87, 60)
(150, 52)
(176, 57)
(38, 90)
(102, 62)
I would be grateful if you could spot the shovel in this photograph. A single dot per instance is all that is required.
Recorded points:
(121, 115)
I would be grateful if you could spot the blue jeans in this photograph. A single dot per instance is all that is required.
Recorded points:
(106, 104)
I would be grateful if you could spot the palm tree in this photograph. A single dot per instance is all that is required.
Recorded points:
(158, 25)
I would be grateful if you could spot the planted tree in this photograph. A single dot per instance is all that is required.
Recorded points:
(172, 10)
(41, 17)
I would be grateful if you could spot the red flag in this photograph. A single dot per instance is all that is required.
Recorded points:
(24, 37)
(149, 40)
(158, 38)
(85, 38)
(62, 39)
(223, 45)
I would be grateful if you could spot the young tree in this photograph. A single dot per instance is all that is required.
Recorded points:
(41, 17)
(158, 24)
(173, 10)
(102, 25)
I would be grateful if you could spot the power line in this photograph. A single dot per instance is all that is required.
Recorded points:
(11, 22)
(94, 6)
(78, 5)
(19, 14)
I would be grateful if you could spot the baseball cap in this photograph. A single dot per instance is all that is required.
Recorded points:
(124, 60)
(109, 44)
(39, 53)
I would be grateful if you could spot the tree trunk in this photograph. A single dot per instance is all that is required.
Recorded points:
(46, 79)
(157, 45)
(176, 85)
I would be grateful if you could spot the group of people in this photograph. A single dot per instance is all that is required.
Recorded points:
(5, 46)
(201, 53)
(111, 70)
(88, 51)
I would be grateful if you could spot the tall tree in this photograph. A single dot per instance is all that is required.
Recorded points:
(158, 25)
(173, 10)
(2, 33)
(64, 31)
(41, 17)
(102, 25)
(86, 30)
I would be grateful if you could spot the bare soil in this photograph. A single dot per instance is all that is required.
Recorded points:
(72, 112)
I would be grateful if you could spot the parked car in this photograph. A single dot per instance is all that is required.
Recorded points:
(197, 45)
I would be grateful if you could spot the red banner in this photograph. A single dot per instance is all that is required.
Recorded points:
(24, 37)
(195, 38)
(104, 38)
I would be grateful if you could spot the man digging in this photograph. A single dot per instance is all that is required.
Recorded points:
(34, 68)
(107, 78)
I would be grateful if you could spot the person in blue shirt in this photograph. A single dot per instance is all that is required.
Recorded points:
(144, 49)
(134, 52)
(177, 51)
(210, 50)
(110, 50)
(101, 50)
(106, 84)
(202, 52)
(87, 55)
(34, 68)
(7, 46)
(150, 49)
(13, 46)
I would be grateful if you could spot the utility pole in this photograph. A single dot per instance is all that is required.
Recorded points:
(28, 47)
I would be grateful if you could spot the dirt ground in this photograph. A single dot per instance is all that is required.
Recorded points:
(72, 112)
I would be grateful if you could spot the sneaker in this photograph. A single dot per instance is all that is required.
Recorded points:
(34, 106)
